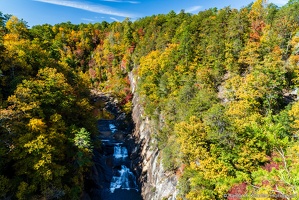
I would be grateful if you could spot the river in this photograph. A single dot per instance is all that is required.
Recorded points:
(113, 177)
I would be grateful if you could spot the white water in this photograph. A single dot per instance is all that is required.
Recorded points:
(126, 180)
(112, 128)
(120, 152)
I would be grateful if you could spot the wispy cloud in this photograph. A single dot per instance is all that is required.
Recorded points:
(86, 19)
(96, 8)
(279, 2)
(120, 1)
(113, 18)
(193, 9)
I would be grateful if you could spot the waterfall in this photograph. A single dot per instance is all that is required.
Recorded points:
(125, 180)
(112, 128)
(113, 178)
(120, 152)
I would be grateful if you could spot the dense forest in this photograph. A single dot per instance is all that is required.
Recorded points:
(220, 86)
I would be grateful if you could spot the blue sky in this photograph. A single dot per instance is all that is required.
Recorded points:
(91, 11)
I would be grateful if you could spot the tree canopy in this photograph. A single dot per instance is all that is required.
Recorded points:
(220, 87)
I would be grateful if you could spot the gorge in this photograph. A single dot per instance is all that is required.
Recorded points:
(127, 166)
(170, 106)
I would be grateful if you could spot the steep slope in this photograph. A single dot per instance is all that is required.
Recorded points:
(156, 183)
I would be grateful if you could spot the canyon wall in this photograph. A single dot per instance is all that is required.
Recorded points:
(156, 183)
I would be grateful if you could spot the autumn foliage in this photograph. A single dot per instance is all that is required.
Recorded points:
(219, 86)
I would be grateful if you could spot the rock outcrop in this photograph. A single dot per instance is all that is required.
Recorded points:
(156, 184)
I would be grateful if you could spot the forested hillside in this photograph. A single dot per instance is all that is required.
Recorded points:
(221, 87)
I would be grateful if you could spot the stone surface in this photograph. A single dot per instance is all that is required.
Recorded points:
(156, 184)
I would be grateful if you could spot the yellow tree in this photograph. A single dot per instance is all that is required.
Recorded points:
(42, 122)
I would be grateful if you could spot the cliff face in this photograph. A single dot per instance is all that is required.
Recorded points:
(156, 184)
